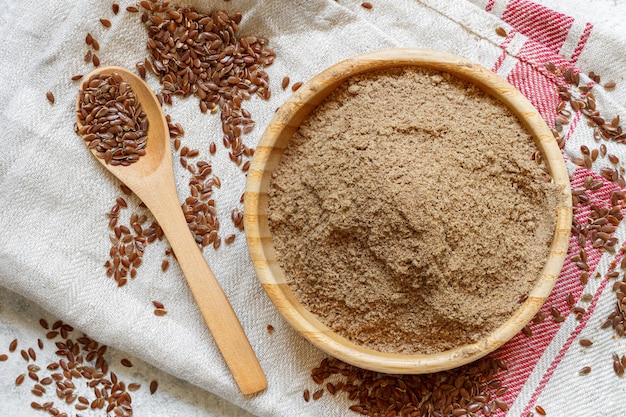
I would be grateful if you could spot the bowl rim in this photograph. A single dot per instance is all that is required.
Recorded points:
(260, 244)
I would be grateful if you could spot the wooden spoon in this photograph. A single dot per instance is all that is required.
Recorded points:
(151, 178)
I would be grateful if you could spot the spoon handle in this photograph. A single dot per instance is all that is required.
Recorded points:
(212, 302)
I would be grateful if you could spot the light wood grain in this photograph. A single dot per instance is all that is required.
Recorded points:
(151, 178)
(268, 154)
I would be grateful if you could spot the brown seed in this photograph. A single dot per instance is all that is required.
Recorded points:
(539, 409)
(307, 395)
(165, 265)
(318, 394)
(296, 86)
(270, 329)
(3, 357)
(50, 97)
(585, 370)
(133, 386)
(285, 82)
(160, 312)
(610, 85)
(585, 342)
(367, 5)
(116, 8)
(127, 363)
(500, 31)
(13, 345)
(106, 23)
(154, 385)
(584, 278)
(20, 378)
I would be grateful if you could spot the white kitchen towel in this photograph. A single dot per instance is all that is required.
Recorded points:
(54, 196)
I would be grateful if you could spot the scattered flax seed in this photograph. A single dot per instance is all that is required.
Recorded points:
(501, 31)
(318, 394)
(539, 409)
(127, 363)
(158, 304)
(229, 239)
(154, 385)
(77, 77)
(116, 8)
(160, 312)
(610, 85)
(585, 342)
(285, 83)
(106, 23)
(20, 378)
(4, 357)
(367, 5)
(95, 60)
(472, 388)
(221, 85)
(296, 86)
(165, 265)
(585, 370)
(50, 97)
(13, 345)
(132, 9)
(121, 202)
(133, 386)
(270, 329)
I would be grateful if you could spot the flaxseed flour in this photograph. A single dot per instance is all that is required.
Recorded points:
(408, 214)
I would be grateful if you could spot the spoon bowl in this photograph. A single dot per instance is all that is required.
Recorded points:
(151, 178)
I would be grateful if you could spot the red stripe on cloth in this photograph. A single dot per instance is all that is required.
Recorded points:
(538, 22)
(537, 88)
(499, 61)
(559, 357)
(581, 42)
(490, 5)
(504, 45)
(522, 353)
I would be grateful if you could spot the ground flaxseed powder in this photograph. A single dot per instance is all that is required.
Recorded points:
(408, 214)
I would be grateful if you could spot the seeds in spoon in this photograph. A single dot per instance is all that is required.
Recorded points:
(111, 119)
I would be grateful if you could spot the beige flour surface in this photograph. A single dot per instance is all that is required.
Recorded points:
(407, 212)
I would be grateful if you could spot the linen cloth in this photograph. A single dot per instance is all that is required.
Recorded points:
(54, 195)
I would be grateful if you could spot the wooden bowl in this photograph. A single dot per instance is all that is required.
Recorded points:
(260, 243)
